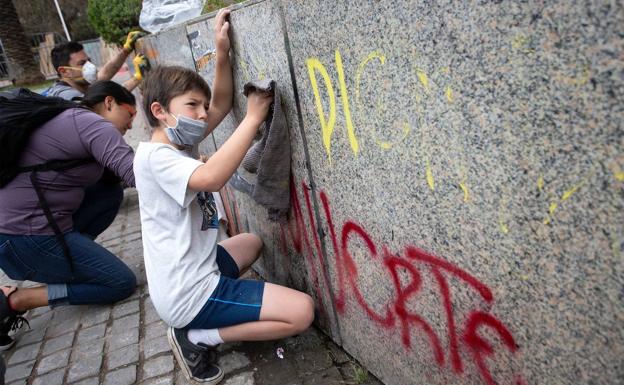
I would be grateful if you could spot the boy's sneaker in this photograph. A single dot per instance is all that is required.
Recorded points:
(10, 321)
(197, 361)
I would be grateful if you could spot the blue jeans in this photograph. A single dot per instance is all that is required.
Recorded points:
(99, 277)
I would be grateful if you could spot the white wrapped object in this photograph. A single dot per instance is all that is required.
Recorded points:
(159, 14)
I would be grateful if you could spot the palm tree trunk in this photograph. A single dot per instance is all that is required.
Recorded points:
(22, 65)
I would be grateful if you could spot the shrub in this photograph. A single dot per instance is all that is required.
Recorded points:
(113, 19)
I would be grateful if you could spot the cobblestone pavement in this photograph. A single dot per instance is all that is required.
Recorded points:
(126, 343)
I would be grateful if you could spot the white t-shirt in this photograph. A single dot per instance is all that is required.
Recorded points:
(180, 230)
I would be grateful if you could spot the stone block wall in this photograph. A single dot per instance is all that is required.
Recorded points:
(457, 179)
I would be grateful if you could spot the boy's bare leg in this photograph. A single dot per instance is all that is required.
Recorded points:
(244, 249)
(285, 312)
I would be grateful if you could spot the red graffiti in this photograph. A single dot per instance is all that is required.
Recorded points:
(396, 314)
(299, 234)
(352, 274)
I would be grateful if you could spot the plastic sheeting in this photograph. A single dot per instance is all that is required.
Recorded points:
(159, 14)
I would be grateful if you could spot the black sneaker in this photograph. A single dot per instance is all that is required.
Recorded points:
(6, 342)
(197, 361)
(10, 321)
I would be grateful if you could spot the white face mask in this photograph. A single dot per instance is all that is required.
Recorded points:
(89, 72)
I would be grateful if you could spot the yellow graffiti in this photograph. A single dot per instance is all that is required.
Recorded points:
(551, 212)
(422, 76)
(464, 188)
(553, 206)
(405, 127)
(619, 176)
(327, 126)
(501, 220)
(615, 246)
(449, 94)
(520, 43)
(245, 69)
(540, 183)
(360, 70)
(503, 227)
(565, 196)
(345, 104)
(429, 175)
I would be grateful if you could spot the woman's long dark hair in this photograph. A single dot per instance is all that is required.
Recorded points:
(98, 91)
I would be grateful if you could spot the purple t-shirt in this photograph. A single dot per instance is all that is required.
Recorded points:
(74, 134)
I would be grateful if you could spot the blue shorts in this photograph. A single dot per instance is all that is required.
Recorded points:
(234, 301)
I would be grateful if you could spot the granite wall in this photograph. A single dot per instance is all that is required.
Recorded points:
(457, 179)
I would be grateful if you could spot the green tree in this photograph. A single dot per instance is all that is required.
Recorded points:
(113, 19)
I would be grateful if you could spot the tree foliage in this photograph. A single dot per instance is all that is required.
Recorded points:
(113, 19)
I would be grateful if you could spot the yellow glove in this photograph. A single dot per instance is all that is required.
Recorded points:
(141, 66)
(131, 39)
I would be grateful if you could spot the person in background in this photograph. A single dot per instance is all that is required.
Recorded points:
(29, 248)
(76, 72)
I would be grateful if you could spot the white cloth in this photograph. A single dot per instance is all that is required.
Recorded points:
(180, 257)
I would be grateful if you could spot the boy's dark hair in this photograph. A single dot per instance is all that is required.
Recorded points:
(61, 52)
(164, 83)
(98, 91)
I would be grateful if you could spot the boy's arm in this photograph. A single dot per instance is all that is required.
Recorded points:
(222, 87)
(219, 168)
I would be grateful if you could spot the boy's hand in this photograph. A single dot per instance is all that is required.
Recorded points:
(131, 39)
(222, 26)
(258, 105)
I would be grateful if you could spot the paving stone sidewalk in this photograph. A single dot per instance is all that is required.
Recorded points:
(126, 343)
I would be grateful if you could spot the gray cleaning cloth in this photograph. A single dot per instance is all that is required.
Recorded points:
(270, 157)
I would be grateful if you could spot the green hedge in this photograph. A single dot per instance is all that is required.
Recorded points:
(113, 19)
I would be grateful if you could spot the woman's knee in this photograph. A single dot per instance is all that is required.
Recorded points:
(125, 286)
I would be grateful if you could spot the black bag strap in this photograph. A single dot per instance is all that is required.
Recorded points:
(53, 165)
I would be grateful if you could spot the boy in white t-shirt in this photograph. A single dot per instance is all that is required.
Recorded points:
(192, 276)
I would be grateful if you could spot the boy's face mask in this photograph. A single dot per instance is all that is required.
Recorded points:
(187, 132)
